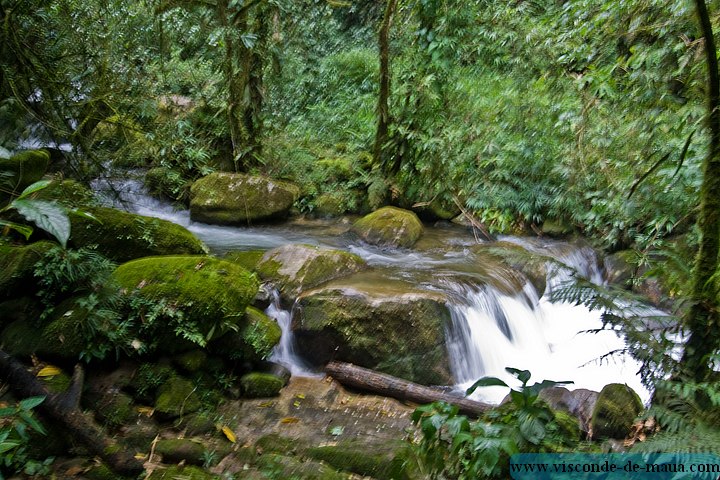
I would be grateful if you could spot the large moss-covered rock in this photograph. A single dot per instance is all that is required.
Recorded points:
(233, 198)
(17, 268)
(382, 460)
(615, 411)
(176, 450)
(123, 236)
(23, 168)
(253, 342)
(176, 398)
(392, 329)
(260, 385)
(390, 227)
(68, 192)
(212, 294)
(294, 268)
(188, 472)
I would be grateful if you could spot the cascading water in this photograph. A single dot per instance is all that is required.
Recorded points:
(492, 330)
(496, 322)
(284, 353)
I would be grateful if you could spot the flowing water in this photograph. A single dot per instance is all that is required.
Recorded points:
(498, 319)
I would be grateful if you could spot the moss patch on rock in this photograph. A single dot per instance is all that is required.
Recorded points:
(400, 333)
(357, 457)
(17, 268)
(212, 294)
(192, 361)
(246, 258)
(390, 227)
(25, 168)
(260, 385)
(298, 267)
(20, 339)
(232, 198)
(188, 472)
(123, 236)
(279, 466)
(615, 411)
(176, 450)
(176, 398)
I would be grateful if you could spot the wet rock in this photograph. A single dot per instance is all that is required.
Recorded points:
(187, 472)
(620, 268)
(261, 385)
(233, 198)
(17, 269)
(615, 411)
(579, 403)
(390, 227)
(294, 268)
(396, 331)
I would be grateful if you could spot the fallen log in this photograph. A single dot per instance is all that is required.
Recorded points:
(64, 410)
(386, 385)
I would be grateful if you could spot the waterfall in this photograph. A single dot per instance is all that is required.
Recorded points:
(491, 330)
(284, 352)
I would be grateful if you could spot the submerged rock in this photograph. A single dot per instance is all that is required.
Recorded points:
(233, 198)
(294, 268)
(390, 227)
(398, 332)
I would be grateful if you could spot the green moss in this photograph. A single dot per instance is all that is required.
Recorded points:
(100, 471)
(167, 183)
(63, 336)
(331, 204)
(17, 269)
(123, 236)
(357, 457)
(57, 383)
(390, 227)
(297, 267)
(24, 309)
(557, 228)
(20, 338)
(227, 198)
(260, 332)
(274, 443)
(69, 193)
(279, 466)
(212, 294)
(247, 258)
(188, 472)
(615, 411)
(198, 423)
(181, 450)
(191, 361)
(25, 168)
(148, 378)
(176, 398)
(336, 169)
(114, 409)
(261, 385)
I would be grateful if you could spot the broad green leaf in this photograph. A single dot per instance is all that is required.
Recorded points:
(486, 382)
(47, 215)
(31, 402)
(522, 375)
(34, 188)
(7, 446)
(23, 230)
(84, 214)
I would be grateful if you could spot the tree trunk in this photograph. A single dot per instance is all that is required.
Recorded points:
(702, 318)
(389, 386)
(63, 409)
(383, 107)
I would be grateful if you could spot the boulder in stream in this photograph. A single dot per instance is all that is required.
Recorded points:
(237, 199)
(390, 227)
(614, 412)
(392, 329)
(298, 267)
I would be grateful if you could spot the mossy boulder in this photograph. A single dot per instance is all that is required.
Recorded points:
(187, 472)
(17, 268)
(233, 198)
(175, 398)
(176, 450)
(64, 335)
(393, 329)
(245, 258)
(280, 466)
(24, 169)
(261, 385)
(253, 342)
(376, 461)
(20, 338)
(123, 236)
(390, 227)
(68, 192)
(331, 204)
(211, 294)
(192, 361)
(298, 267)
(615, 411)
(557, 228)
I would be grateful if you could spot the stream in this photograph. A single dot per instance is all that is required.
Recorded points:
(496, 321)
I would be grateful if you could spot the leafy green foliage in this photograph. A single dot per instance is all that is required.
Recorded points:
(16, 423)
(452, 446)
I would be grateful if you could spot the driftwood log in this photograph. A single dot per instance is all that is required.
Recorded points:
(389, 386)
(63, 408)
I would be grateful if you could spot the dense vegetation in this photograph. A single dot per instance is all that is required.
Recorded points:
(581, 116)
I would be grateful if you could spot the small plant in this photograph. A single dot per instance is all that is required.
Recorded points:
(15, 424)
(452, 446)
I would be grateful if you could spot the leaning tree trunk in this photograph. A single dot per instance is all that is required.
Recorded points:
(703, 315)
(383, 107)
